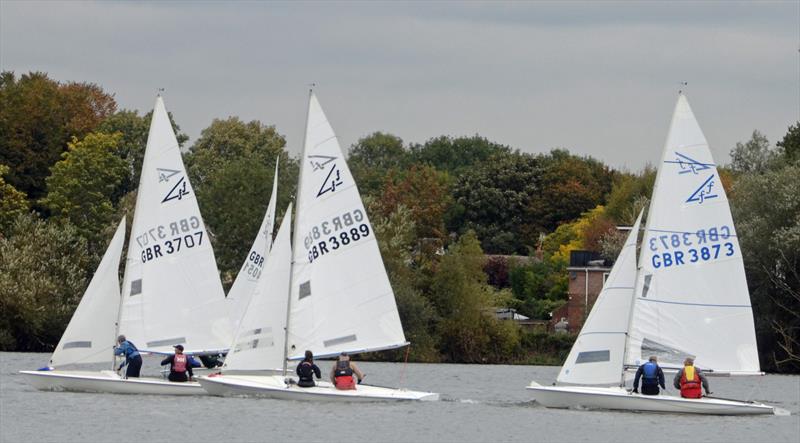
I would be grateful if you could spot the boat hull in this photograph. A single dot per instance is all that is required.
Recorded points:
(620, 399)
(107, 382)
(274, 387)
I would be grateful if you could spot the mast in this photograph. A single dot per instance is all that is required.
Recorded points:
(296, 235)
(633, 301)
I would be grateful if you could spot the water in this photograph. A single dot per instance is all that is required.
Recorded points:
(479, 403)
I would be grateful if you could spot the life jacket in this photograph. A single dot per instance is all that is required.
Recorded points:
(691, 386)
(179, 363)
(306, 370)
(131, 351)
(343, 375)
(650, 373)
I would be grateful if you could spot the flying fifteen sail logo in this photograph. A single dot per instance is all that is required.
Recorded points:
(704, 192)
(333, 179)
(178, 190)
(688, 164)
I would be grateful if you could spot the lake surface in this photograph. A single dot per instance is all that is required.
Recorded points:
(479, 403)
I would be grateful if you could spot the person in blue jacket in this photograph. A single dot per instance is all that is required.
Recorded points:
(651, 375)
(132, 357)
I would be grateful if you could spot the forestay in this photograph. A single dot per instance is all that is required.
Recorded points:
(341, 299)
(259, 341)
(691, 296)
(89, 337)
(248, 277)
(172, 292)
(596, 358)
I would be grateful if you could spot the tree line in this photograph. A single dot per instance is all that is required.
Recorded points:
(465, 225)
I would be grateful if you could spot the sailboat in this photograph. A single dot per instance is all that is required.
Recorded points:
(687, 297)
(171, 292)
(330, 293)
(250, 272)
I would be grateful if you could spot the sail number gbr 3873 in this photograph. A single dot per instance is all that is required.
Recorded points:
(170, 239)
(679, 248)
(335, 233)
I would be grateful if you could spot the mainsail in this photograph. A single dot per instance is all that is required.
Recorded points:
(341, 299)
(249, 274)
(172, 293)
(259, 341)
(691, 296)
(596, 358)
(89, 337)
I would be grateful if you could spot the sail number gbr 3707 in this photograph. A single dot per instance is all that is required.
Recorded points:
(335, 233)
(170, 239)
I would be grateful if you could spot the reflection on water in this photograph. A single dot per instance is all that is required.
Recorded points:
(479, 403)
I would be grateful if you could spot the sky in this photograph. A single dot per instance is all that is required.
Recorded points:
(597, 78)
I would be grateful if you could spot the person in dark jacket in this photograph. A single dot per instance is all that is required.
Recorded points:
(179, 366)
(306, 371)
(652, 377)
(132, 357)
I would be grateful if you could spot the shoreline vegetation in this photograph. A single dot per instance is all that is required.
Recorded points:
(465, 225)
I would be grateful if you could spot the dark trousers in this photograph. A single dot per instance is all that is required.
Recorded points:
(306, 383)
(134, 366)
(178, 376)
(648, 389)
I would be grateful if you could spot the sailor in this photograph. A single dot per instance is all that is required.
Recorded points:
(179, 365)
(342, 373)
(132, 357)
(689, 379)
(652, 377)
(306, 371)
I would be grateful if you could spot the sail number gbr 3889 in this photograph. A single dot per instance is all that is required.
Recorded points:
(337, 232)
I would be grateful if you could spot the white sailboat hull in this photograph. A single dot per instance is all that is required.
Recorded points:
(620, 399)
(274, 387)
(107, 382)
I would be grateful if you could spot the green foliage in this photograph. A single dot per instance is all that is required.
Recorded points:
(790, 144)
(456, 155)
(12, 202)
(766, 207)
(38, 116)
(84, 185)
(753, 156)
(424, 191)
(541, 348)
(42, 277)
(493, 199)
(373, 157)
(539, 287)
(231, 167)
(630, 193)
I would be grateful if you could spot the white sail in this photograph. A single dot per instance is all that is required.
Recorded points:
(249, 274)
(691, 295)
(89, 337)
(172, 291)
(259, 341)
(596, 358)
(341, 299)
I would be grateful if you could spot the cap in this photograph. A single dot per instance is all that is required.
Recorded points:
(178, 347)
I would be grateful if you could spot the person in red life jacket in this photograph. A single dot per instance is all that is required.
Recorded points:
(306, 371)
(689, 379)
(179, 365)
(651, 375)
(343, 371)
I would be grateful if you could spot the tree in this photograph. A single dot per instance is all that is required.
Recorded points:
(630, 193)
(424, 192)
(753, 156)
(790, 144)
(42, 277)
(468, 331)
(372, 158)
(232, 166)
(38, 117)
(767, 213)
(456, 155)
(493, 198)
(84, 186)
(12, 203)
